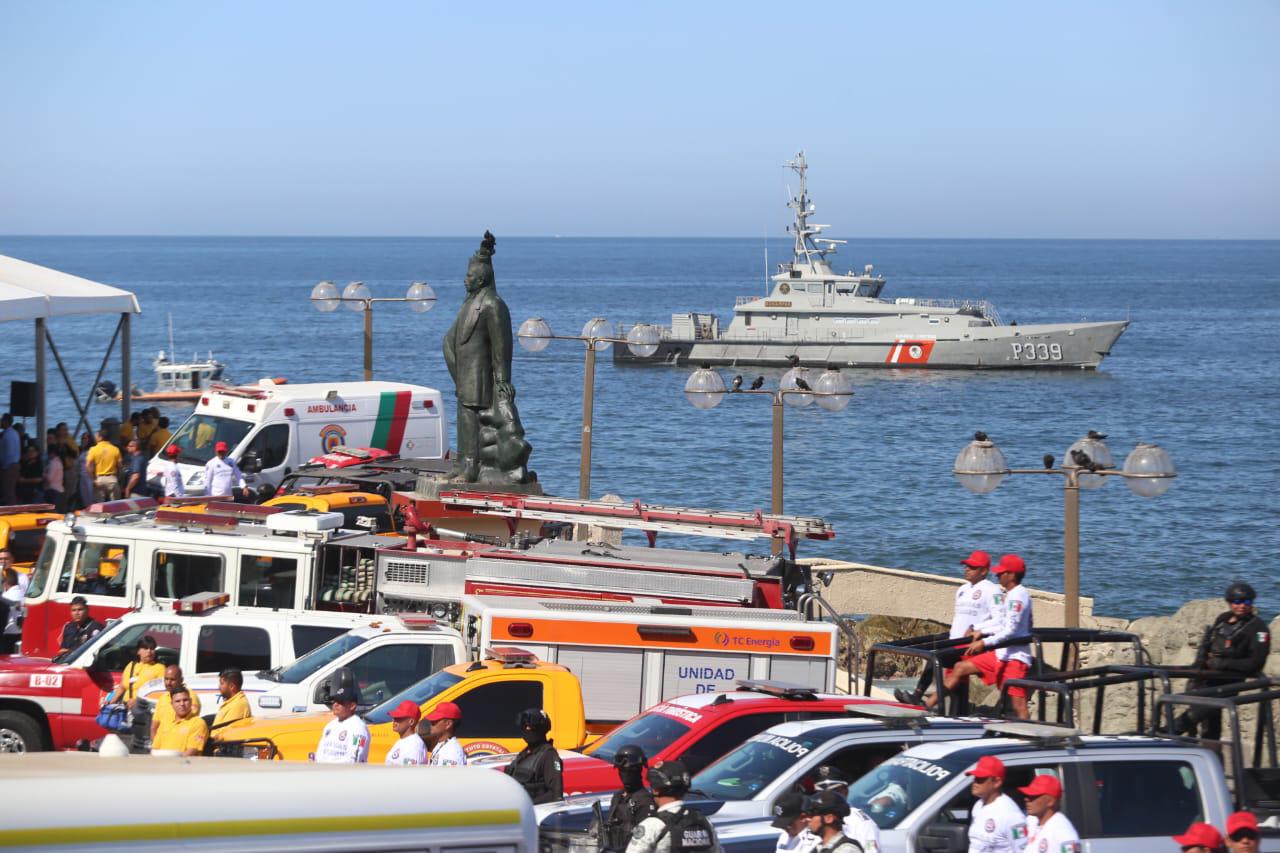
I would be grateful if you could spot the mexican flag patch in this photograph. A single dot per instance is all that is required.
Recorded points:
(1020, 832)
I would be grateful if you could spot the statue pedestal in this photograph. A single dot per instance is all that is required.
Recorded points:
(430, 486)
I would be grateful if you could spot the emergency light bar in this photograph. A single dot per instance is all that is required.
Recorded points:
(781, 689)
(200, 602)
(417, 621)
(249, 512)
(122, 507)
(510, 655)
(14, 510)
(193, 519)
(174, 500)
(1041, 732)
(889, 715)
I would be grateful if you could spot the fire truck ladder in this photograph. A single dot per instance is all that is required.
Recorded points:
(650, 518)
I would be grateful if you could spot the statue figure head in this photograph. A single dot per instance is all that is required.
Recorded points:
(480, 268)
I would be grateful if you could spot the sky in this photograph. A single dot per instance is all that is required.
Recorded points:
(991, 119)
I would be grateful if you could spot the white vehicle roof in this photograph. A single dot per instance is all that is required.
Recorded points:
(853, 723)
(941, 749)
(320, 390)
(378, 807)
(262, 615)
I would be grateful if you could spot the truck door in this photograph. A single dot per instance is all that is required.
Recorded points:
(490, 713)
(265, 460)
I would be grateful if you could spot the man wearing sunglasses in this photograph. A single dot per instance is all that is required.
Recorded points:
(1243, 835)
(1234, 649)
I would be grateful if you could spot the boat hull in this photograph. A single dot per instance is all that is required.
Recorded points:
(1064, 346)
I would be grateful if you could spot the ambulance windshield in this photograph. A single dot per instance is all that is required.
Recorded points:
(200, 433)
(313, 660)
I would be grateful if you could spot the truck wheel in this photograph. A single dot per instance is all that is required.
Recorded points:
(19, 733)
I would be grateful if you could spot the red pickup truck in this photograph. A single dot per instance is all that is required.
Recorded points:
(699, 728)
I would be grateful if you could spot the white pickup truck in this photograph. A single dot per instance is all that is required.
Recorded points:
(386, 655)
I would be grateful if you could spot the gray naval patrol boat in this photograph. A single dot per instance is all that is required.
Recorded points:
(822, 317)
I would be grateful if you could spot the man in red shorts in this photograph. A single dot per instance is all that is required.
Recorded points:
(1011, 617)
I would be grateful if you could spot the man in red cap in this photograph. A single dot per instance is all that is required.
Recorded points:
(1200, 838)
(442, 738)
(1011, 618)
(170, 474)
(973, 607)
(1047, 828)
(997, 824)
(1243, 835)
(222, 475)
(409, 749)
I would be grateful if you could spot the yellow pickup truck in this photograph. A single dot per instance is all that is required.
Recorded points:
(490, 692)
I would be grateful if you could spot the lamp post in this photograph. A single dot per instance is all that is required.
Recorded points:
(356, 296)
(535, 335)
(1148, 471)
(831, 391)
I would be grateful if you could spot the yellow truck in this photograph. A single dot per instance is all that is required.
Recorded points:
(490, 692)
(22, 530)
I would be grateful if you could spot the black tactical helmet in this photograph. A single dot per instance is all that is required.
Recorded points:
(630, 756)
(828, 802)
(669, 777)
(534, 718)
(1240, 591)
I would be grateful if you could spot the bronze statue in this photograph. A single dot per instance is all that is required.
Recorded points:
(477, 348)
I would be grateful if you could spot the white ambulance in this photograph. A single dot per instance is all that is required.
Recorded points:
(271, 429)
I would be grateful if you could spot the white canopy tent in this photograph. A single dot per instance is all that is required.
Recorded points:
(32, 292)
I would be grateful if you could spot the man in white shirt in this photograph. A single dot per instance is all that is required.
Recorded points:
(13, 601)
(442, 737)
(973, 607)
(409, 749)
(1012, 618)
(1048, 830)
(345, 740)
(170, 475)
(222, 475)
(997, 825)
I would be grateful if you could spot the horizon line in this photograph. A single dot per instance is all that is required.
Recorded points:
(617, 237)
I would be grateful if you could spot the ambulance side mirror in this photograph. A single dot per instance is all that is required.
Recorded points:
(250, 463)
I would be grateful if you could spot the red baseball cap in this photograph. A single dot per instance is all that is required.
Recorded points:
(1200, 834)
(1241, 820)
(1010, 563)
(407, 708)
(445, 711)
(220, 447)
(977, 560)
(1043, 784)
(988, 767)
(173, 450)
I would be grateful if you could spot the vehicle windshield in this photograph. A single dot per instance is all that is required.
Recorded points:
(651, 732)
(418, 693)
(198, 435)
(40, 571)
(306, 666)
(898, 786)
(753, 766)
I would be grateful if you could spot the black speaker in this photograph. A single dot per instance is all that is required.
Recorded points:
(22, 399)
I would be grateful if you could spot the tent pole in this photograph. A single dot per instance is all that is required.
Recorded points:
(42, 416)
(126, 361)
(57, 358)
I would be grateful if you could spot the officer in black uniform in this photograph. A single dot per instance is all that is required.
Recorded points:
(827, 811)
(537, 767)
(1234, 649)
(632, 804)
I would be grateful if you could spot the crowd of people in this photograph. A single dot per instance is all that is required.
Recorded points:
(74, 473)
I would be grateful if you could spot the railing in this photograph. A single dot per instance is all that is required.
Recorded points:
(968, 306)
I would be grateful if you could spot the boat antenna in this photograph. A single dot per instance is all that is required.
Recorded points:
(172, 354)
(766, 262)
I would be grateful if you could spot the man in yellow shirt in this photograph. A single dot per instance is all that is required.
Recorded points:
(186, 733)
(164, 708)
(235, 705)
(103, 464)
(146, 425)
(158, 437)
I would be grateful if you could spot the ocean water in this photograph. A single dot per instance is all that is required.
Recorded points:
(1196, 373)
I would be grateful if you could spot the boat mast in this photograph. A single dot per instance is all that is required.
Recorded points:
(807, 238)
